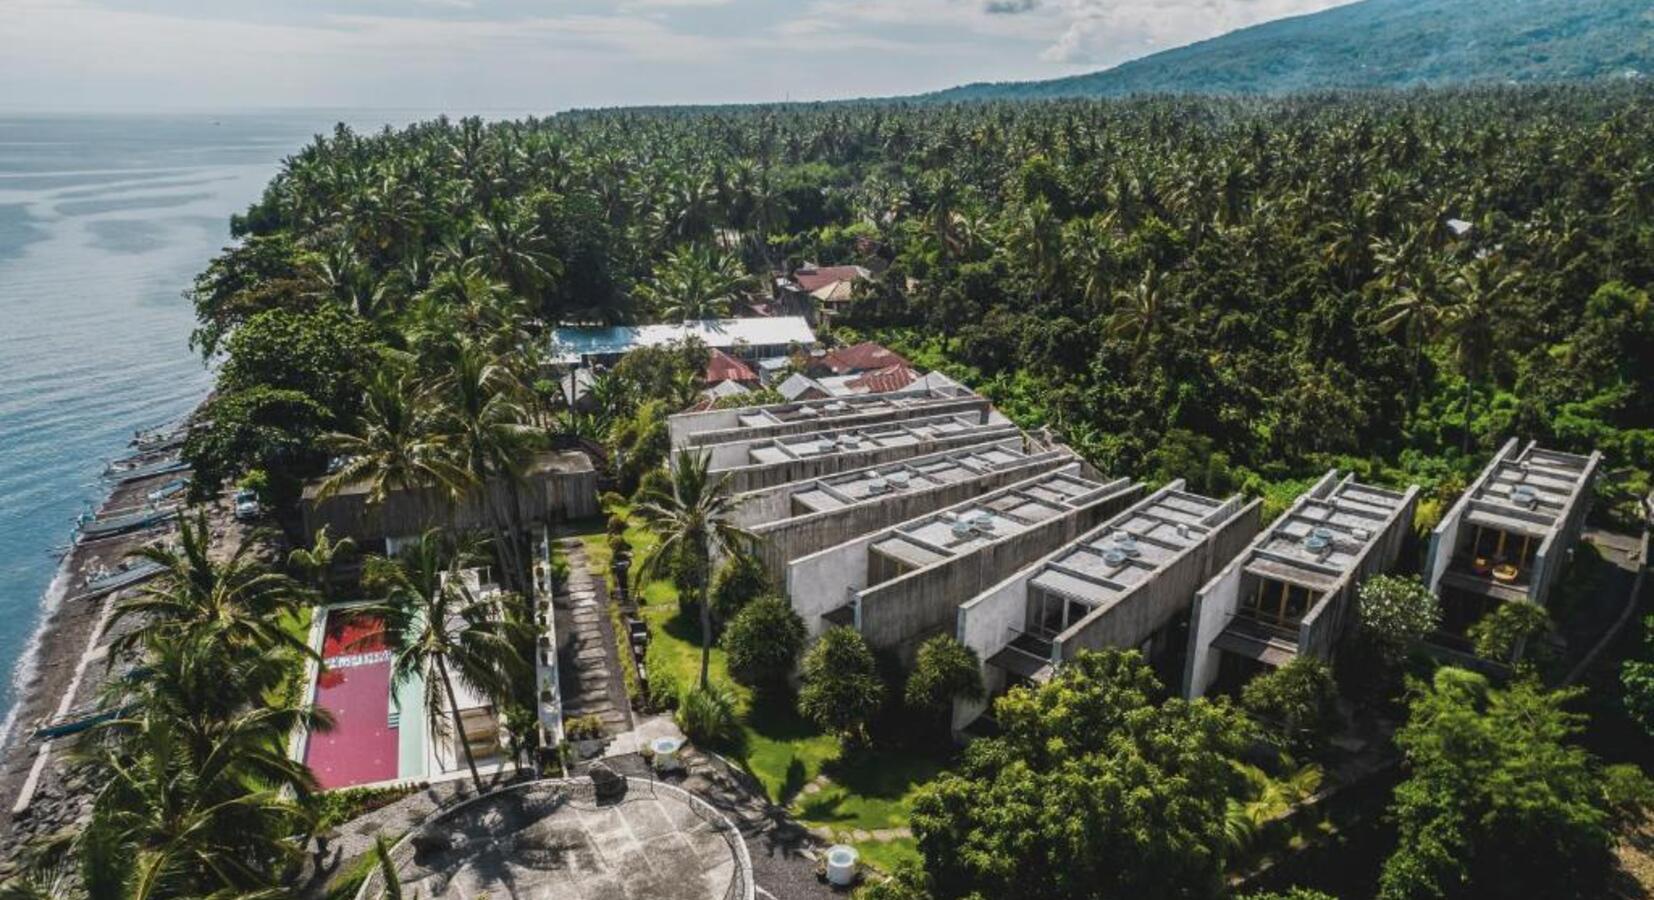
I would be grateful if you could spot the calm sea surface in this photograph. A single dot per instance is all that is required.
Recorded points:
(104, 221)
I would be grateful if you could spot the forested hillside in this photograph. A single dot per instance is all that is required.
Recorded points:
(1382, 44)
(1233, 291)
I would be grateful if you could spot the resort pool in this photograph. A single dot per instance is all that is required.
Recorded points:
(374, 738)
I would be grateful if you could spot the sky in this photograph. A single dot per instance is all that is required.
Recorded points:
(547, 55)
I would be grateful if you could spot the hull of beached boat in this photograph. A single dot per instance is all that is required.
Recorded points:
(121, 524)
(163, 467)
(114, 581)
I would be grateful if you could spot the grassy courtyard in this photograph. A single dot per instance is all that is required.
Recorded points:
(799, 766)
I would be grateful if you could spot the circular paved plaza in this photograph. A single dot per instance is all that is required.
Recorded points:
(554, 839)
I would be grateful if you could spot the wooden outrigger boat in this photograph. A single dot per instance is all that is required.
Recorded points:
(92, 528)
(126, 575)
(164, 466)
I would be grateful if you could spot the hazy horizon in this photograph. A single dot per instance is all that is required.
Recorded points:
(516, 56)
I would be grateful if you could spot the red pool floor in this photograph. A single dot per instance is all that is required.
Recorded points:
(354, 686)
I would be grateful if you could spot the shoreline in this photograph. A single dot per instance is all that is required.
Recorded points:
(59, 671)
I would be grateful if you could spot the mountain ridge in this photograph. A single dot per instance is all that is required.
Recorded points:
(1377, 44)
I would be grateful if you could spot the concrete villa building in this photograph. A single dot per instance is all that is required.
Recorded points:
(1128, 583)
(751, 423)
(1293, 590)
(1510, 535)
(901, 585)
(751, 464)
(797, 519)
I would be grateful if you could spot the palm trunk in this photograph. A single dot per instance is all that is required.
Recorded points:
(706, 614)
(1469, 394)
(459, 728)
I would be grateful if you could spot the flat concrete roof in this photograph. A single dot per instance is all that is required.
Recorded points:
(893, 434)
(839, 491)
(1131, 548)
(554, 838)
(1320, 540)
(955, 532)
(1531, 493)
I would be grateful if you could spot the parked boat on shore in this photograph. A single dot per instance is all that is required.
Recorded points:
(93, 528)
(107, 581)
(164, 466)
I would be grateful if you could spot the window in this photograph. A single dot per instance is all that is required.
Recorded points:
(1279, 603)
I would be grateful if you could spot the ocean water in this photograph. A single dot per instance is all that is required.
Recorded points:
(104, 222)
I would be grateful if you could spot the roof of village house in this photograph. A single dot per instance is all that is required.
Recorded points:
(837, 292)
(726, 388)
(861, 357)
(720, 366)
(814, 278)
(879, 381)
(798, 385)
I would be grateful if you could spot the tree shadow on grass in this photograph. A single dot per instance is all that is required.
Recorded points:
(825, 806)
(884, 774)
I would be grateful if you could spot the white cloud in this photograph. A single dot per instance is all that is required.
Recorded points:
(469, 54)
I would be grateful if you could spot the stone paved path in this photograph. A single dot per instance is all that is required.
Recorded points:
(588, 663)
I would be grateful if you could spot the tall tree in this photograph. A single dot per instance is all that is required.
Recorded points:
(694, 514)
(443, 633)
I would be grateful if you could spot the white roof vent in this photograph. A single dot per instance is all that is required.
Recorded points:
(877, 485)
(982, 520)
(808, 411)
(961, 528)
(1128, 546)
(1525, 496)
(899, 480)
(1360, 534)
(1114, 557)
(1183, 529)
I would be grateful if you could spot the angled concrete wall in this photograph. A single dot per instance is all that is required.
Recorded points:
(783, 541)
(774, 503)
(1134, 617)
(899, 614)
(755, 477)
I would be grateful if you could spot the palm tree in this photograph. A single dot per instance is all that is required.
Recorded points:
(238, 602)
(1408, 274)
(318, 559)
(1137, 311)
(438, 625)
(394, 447)
(695, 282)
(486, 428)
(1477, 294)
(695, 515)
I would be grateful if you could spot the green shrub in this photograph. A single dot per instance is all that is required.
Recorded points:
(1500, 634)
(945, 671)
(739, 581)
(707, 715)
(583, 728)
(842, 689)
(616, 524)
(663, 686)
(335, 808)
(1298, 700)
(763, 642)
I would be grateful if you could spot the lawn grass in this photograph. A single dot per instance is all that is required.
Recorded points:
(779, 748)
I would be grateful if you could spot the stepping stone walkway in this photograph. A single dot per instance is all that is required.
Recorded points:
(588, 665)
(857, 835)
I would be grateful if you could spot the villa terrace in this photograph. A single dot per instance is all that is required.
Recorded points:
(1509, 535)
(902, 584)
(1292, 591)
(1127, 583)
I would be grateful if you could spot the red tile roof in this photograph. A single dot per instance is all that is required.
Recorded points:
(861, 357)
(723, 367)
(812, 280)
(878, 381)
